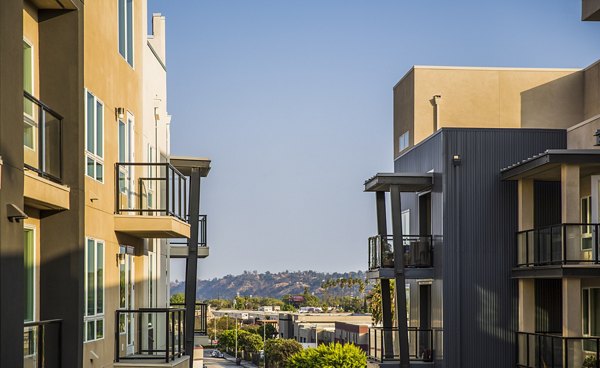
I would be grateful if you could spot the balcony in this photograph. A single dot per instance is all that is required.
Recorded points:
(43, 161)
(422, 344)
(151, 200)
(179, 249)
(558, 250)
(150, 337)
(42, 344)
(541, 350)
(200, 322)
(418, 256)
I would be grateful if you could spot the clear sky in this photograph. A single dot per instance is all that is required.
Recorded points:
(292, 100)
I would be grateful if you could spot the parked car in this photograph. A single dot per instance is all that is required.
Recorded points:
(217, 354)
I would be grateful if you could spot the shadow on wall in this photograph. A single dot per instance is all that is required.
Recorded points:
(556, 104)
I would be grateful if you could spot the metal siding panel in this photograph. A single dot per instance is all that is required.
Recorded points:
(472, 289)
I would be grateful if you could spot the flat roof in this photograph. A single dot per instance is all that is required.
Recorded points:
(408, 182)
(546, 165)
(185, 164)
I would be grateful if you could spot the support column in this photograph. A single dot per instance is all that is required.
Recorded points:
(526, 286)
(386, 300)
(571, 315)
(191, 270)
(569, 186)
(399, 275)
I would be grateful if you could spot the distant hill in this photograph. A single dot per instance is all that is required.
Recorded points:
(275, 285)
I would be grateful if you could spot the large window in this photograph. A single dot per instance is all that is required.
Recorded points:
(29, 280)
(94, 143)
(28, 110)
(94, 290)
(126, 30)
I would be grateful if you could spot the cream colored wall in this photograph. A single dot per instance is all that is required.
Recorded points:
(592, 91)
(110, 78)
(31, 35)
(488, 97)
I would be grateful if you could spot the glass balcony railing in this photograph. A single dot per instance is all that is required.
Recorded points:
(200, 321)
(422, 344)
(561, 244)
(153, 189)
(42, 139)
(541, 350)
(149, 334)
(42, 344)
(418, 251)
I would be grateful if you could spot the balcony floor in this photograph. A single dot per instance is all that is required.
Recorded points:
(152, 226)
(556, 271)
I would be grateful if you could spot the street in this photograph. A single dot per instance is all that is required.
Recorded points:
(211, 362)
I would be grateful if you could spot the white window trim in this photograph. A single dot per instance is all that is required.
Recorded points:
(35, 270)
(30, 119)
(132, 65)
(401, 138)
(100, 316)
(93, 155)
(589, 290)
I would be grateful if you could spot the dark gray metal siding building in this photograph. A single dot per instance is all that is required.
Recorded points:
(474, 221)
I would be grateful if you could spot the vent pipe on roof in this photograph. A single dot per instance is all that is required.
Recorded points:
(436, 101)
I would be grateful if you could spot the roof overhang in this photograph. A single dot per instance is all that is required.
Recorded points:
(186, 164)
(408, 182)
(546, 166)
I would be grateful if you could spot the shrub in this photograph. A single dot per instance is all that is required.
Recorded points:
(278, 351)
(329, 356)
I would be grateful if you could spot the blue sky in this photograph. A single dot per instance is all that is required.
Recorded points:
(292, 100)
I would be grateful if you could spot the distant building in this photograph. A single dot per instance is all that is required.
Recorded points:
(310, 327)
(352, 333)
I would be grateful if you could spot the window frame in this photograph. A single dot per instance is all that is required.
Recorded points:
(97, 159)
(129, 36)
(402, 145)
(587, 233)
(32, 229)
(27, 118)
(96, 316)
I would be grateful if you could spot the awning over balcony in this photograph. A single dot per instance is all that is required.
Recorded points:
(546, 166)
(408, 182)
(186, 164)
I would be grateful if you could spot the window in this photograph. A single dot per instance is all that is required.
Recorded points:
(403, 141)
(590, 316)
(151, 169)
(28, 107)
(126, 30)
(586, 218)
(94, 290)
(29, 280)
(94, 142)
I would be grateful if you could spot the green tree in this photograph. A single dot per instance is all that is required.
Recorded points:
(329, 356)
(178, 298)
(249, 342)
(227, 340)
(374, 301)
(278, 351)
(270, 331)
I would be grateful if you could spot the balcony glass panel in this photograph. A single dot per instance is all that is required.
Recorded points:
(540, 350)
(418, 251)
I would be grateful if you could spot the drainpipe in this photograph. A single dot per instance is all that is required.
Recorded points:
(436, 101)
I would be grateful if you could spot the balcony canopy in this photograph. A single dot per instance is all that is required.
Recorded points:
(546, 165)
(186, 164)
(408, 182)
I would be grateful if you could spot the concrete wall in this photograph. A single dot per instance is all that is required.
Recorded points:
(486, 98)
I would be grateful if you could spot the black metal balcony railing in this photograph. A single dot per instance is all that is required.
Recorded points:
(200, 321)
(150, 189)
(42, 344)
(421, 343)
(542, 350)
(159, 333)
(202, 242)
(558, 245)
(418, 251)
(42, 139)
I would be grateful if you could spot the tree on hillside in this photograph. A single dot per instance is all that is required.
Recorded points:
(278, 351)
(329, 355)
